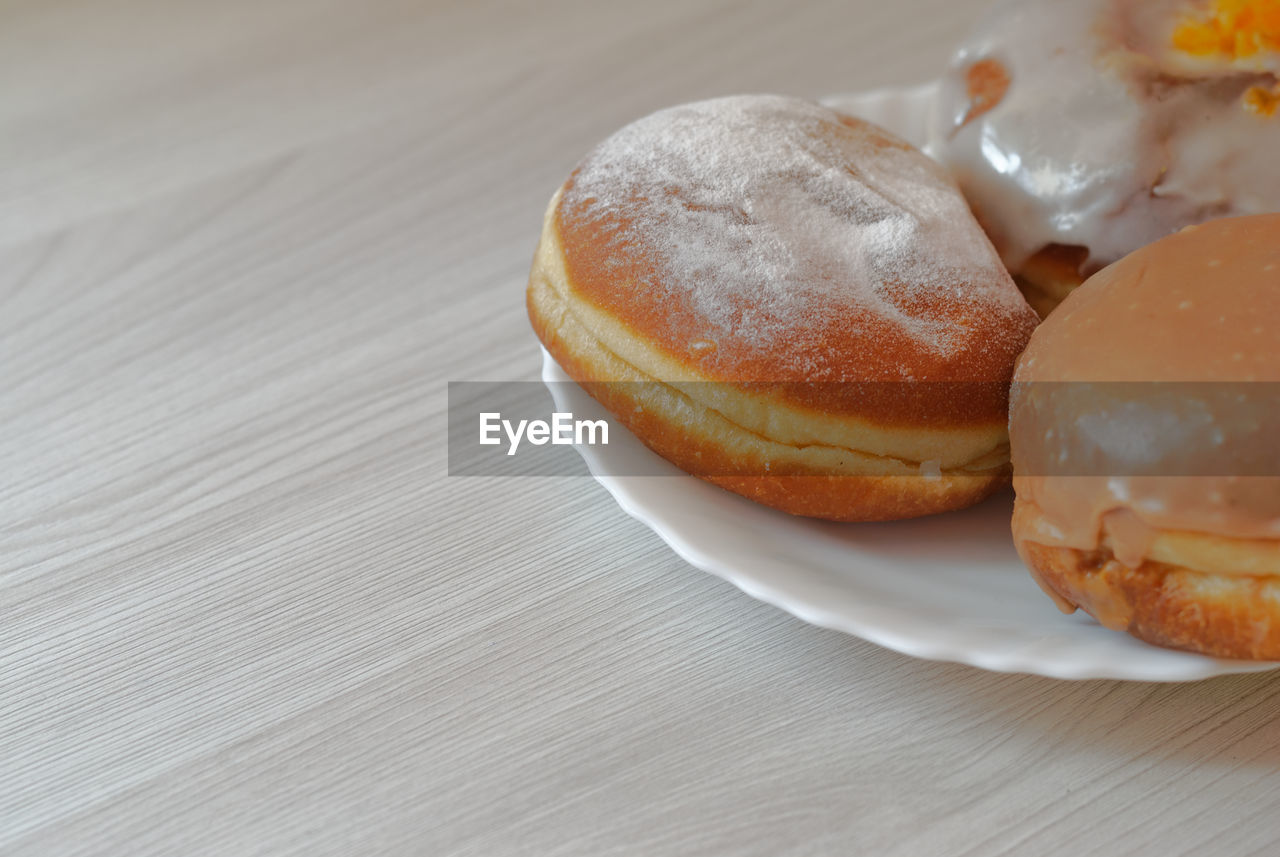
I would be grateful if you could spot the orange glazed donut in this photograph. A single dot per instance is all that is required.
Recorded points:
(1146, 443)
(788, 302)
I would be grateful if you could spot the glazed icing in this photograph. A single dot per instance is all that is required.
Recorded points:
(1121, 121)
(1197, 312)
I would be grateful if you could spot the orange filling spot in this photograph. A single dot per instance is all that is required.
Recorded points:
(1262, 100)
(1232, 29)
(987, 81)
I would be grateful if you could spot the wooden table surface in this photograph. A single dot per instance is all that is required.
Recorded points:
(243, 610)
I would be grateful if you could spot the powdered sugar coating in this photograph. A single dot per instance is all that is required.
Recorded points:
(765, 237)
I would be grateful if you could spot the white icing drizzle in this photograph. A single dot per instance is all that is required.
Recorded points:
(1107, 137)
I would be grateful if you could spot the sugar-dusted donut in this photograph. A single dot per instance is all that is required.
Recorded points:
(788, 302)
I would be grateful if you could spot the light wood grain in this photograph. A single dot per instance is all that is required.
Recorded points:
(243, 245)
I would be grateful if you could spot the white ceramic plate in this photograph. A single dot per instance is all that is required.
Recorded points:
(949, 587)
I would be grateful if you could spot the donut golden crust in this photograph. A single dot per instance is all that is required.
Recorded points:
(717, 275)
(702, 441)
(1049, 275)
(1174, 538)
(1228, 616)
